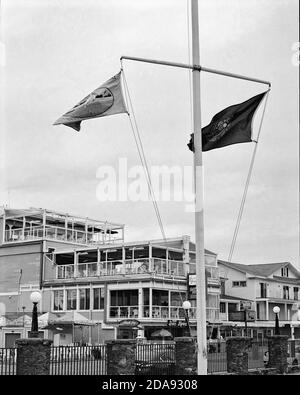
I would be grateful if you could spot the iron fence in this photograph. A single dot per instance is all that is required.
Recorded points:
(8, 361)
(155, 359)
(78, 360)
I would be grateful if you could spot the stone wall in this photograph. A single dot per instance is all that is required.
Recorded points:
(33, 356)
(186, 356)
(237, 354)
(121, 357)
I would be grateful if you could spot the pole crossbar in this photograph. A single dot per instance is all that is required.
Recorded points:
(197, 68)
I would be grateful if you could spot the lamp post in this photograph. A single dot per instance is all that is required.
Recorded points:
(35, 297)
(276, 311)
(186, 305)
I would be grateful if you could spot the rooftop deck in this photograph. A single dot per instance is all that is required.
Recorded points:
(33, 224)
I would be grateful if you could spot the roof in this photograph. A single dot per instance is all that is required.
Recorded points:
(233, 298)
(262, 269)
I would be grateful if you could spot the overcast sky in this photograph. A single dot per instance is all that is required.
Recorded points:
(58, 51)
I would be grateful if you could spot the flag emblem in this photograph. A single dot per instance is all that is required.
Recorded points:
(232, 125)
(105, 100)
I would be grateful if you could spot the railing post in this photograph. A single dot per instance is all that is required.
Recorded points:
(33, 356)
(278, 353)
(185, 356)
(121, 356)
(237, 354)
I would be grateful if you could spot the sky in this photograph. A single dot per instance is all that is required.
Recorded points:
(53, 53)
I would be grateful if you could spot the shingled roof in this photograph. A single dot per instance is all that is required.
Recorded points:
(262, 269)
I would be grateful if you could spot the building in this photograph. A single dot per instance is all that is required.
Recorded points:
(25, 237)
(94, 285)
(260, 288)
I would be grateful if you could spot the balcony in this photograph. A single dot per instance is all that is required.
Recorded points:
(58, 233)
(160, 313)
(154, 266)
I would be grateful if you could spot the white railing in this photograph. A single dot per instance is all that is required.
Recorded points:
(128, 267)
(58, 233)
(65, 271)
(124, 312)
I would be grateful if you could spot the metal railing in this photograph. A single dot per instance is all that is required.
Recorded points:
(8, 361)
(59, 233)
(124, 312)
(78, 360)
(155, 358)
(119, 267)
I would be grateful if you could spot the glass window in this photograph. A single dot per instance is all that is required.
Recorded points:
(296, 293)
(58, 298)
(239, 283)
(71, 299)
(124, 298)
(222, 307)
(160, 298)
(84, 299)
(177, 298)
(98, 298)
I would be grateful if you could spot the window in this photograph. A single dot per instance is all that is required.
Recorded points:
(222, 307)
(286, 292)
(160, 298)
(71, 299)
(124, 298)
(285, 271)
(257, 311)
(296, 293)
(84, 299)
(239, 283)
(177, 298)
(58, 300)
(263, 290)
(98, 298)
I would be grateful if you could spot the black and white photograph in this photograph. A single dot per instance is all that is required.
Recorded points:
(149, 190)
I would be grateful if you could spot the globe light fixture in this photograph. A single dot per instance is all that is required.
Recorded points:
(35, 297)
(186, 305)
(276, 311)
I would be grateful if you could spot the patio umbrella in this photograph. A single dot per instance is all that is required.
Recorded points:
(162, 334)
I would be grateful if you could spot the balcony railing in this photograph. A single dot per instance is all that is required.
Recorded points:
(124, 312)
(161, 312)
(155, 266)
(57, 233)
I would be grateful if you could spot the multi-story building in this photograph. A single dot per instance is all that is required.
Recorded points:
(25, 237)
(260, 288)
(94, 285)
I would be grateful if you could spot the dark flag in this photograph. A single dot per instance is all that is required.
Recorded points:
(232, 125)
(105, 100)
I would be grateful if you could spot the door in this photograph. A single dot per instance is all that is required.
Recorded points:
(10, 339)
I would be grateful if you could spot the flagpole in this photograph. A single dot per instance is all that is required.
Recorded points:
(199, 217)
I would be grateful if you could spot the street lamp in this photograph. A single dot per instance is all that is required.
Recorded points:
(35, 297)
(186, 305)
(276, 311)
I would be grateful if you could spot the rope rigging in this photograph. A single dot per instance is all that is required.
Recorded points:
(141, 152)
(242, 205)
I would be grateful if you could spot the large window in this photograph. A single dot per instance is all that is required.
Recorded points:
(71, 299)
(98, 294)
(296, 293)
(124, 298)
(84, 299)
(160, 298)
(222, 307)
(58, 300)
(177, 298)
(285, 271)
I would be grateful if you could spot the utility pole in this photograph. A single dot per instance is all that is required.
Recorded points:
(198, 181)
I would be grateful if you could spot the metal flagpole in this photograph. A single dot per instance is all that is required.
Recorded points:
(199, 218)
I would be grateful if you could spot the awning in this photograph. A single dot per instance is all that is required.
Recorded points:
(70, 318)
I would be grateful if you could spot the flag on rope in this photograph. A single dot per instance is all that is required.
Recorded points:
(105, 100)
(232, 125)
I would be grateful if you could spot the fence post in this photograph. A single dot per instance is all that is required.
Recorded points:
(121, 357)
(185, 356)
(278, 353)
(33, 356)
(237, 354)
